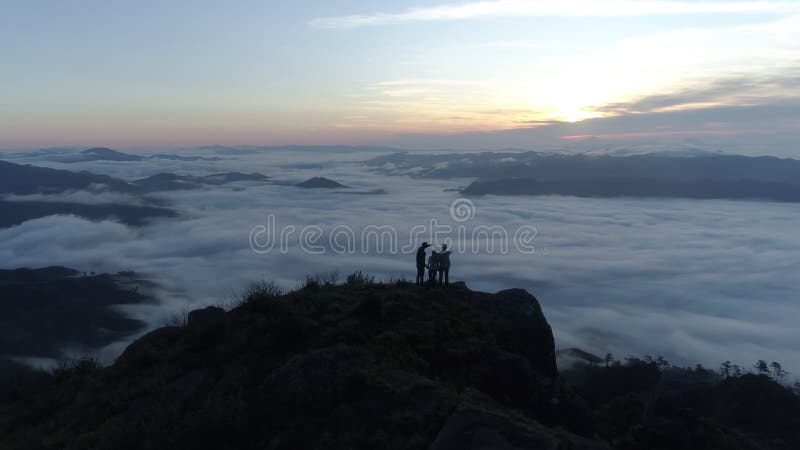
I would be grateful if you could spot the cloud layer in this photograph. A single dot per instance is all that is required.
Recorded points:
(695, 281)
(562, 8)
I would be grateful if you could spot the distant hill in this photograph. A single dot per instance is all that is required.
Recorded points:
(107, 154)
(173, 182)
(366, 365)
(320, 183)
(640, 187)
(694, 175)
(26, 179)
(16, 212)
(49, 308)
(17, 179)
(570, 356)
(582, 168)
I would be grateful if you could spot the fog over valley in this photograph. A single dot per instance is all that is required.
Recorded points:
(695, 280)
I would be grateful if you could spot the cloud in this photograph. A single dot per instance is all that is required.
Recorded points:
(768, 128)
(737, 90)
(563, 8)
(695, 281)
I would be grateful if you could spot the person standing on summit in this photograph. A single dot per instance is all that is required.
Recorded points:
(444, 266)
(433, 268)
(421, 263)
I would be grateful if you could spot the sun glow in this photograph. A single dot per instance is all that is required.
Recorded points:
(573, 114)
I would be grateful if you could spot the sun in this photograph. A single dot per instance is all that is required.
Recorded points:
(572, 113)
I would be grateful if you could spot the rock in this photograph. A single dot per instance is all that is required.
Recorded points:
(479, 423)
(184, 386)
(319, 376)
(148, 349)
(358, 366)
(504, 376)
(203, 319)
(520, 324)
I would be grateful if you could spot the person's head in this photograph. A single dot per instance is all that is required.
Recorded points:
(424, 245)
(444, 247)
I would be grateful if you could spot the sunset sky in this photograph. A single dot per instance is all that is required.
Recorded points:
(193, 72)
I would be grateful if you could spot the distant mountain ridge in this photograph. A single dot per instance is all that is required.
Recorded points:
(107, 154)
(640, 187)
(27, 179)
(171, 181)
(20, 180)
(700, 176)
(564, 167)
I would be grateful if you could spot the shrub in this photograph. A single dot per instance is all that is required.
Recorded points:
(359, 278)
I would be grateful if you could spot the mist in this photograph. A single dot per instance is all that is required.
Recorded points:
(697, 281)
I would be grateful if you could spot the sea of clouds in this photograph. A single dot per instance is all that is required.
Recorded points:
(695, 281)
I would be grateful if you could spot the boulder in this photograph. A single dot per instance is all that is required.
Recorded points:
(148, 349)
(203, 319)
(479, 423)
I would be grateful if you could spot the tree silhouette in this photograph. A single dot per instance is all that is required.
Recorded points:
(761, 367)
(726, 369)
(777, 371)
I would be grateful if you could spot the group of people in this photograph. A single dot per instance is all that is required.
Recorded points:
(438, 265)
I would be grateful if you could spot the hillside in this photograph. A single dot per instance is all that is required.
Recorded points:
(372, 366)
(44, 309)
(652, 175)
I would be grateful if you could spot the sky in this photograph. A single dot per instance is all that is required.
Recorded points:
(411, 72)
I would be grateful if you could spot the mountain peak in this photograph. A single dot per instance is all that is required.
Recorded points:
(320, 183)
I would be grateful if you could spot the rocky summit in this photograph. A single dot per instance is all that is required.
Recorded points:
(360, 365)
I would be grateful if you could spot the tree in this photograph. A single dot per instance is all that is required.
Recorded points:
(777, 371)
(726, 369)
(737, 371)
(761, 367)
(609, 359)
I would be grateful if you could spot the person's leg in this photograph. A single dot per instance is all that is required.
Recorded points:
(431, 278)
(447, 276)
(420, 275)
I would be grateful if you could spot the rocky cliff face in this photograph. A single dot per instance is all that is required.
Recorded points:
(355, 366)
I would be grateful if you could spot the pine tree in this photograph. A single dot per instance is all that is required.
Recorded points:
(761, 367)
(726, 369)
(777, 371)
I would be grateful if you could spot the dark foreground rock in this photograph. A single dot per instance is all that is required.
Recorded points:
(374, 366)
(356, 366)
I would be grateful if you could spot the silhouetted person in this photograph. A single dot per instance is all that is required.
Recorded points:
(433, 266)
(421, 263)
(444, 266)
